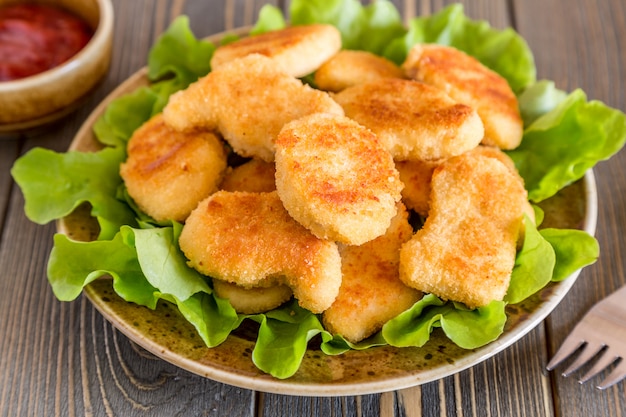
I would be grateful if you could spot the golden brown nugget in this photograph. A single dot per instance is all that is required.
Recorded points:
(248, 101)
(255, 176)
(248, 238)
(414, 121)
(371, 292)
(416, 177)
(468, 81)
(466, 249)
(252, 300)
(168, 172)
(336, 179)
(348, 68)
(298, 50)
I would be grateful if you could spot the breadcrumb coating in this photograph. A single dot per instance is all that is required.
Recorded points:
(167, 173)
(466, 249)
(468, 81)
(336, 179)
(249, 238)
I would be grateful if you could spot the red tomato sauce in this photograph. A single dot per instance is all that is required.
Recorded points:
(35, 38)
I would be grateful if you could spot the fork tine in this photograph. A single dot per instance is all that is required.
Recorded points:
(590, 350)
(615, 376)
(569, 346)
(607, 358)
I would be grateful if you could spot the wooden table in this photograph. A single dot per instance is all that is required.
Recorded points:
(64, 359)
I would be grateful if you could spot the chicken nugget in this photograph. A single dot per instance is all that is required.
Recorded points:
(248, 100)
(348, 68)
(168, 172)
(336, 179)
(298, 50)
(249, 238)
(371, 292)
(414, 121)
(252, 300)
(416, 176)
(255, 176)
(468, 81)
(466, 249)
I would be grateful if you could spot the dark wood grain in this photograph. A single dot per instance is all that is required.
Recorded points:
(64, 359)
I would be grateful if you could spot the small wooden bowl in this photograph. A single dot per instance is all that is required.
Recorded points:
(45, 97)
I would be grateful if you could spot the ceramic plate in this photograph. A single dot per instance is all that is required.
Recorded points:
(165, 333)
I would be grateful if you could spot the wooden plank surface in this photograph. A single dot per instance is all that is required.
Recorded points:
(64, 359)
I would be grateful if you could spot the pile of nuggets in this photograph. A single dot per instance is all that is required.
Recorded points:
(320, 208)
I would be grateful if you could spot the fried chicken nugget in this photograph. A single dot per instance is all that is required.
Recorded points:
(298, 50)
(468, 81)
(413, 120)
(249, 238)
(335, 178)
(371, 292)
(248, 100)
(466, 249)
(416, 176)
(252, 300)
(348, 68)
(255, 176)
(168, 172)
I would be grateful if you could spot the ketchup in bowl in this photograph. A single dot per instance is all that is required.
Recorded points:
(35, 38)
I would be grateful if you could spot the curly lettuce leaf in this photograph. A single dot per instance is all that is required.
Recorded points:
(54, 184)
(145, 266)
(574, 249)
(539, 99)
(561, 145)
(270, 18)
(534, 265)
(504, 51)
(283, 338)
(467, 328)
(368, 28)
(178, 54)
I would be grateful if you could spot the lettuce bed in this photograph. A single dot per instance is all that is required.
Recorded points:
(564, 136)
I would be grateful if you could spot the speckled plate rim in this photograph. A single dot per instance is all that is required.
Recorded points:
(85, 141)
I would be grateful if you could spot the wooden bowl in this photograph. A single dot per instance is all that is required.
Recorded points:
(45, 97)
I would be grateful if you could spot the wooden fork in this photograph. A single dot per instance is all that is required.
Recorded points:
(601, 335)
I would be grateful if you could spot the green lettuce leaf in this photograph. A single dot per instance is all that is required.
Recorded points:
(534, 266)
(539, 99)
(178, 54)
(504, 51)
(574, 249)
(283, 338)
(467, 328)
(368, 28)
(54, 184)
(270, 18)
(561, 145)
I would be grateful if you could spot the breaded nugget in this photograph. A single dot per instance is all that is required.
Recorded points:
(168, 172)
(348, 68)
(252, 300)
(416, 177)
(248, 100)
(371, 292)
(255, 176)
(335, 178)
(413, 120)
(468, 81)
(466, 249)
(298, 50)
(248, 238)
